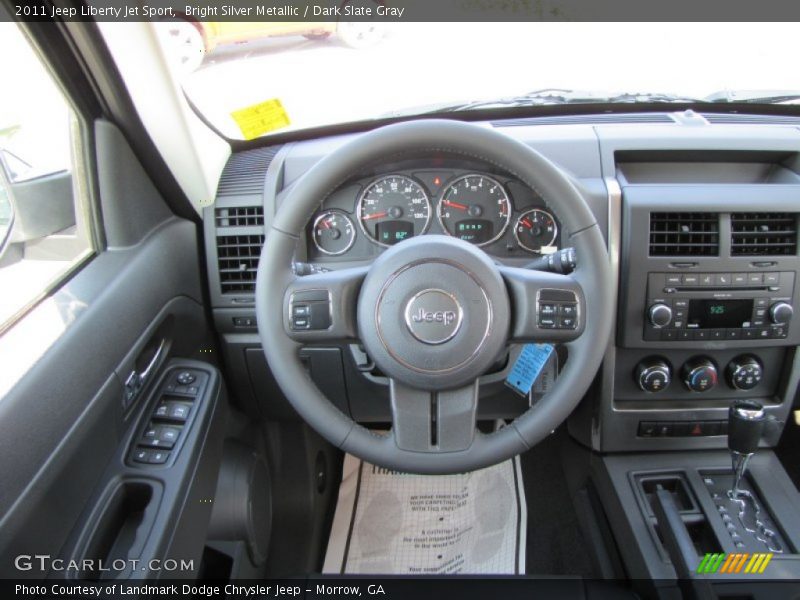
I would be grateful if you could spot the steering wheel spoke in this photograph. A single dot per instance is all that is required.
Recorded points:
(322, 307)
(545, 306)
(425, 421)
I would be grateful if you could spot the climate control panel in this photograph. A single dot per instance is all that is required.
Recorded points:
(699, 374)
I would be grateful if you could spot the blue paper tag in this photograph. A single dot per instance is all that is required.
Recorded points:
(527, 367)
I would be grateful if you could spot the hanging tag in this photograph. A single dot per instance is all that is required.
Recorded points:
(527, 367)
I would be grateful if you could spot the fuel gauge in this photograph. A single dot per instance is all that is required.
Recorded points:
(333, 232)
(535, 229)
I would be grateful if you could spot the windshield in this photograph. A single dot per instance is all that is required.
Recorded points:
(254, 79)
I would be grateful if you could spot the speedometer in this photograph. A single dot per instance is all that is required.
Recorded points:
(475, 208)
(392, 209)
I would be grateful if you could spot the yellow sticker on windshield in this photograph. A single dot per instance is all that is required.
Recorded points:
(254, 121)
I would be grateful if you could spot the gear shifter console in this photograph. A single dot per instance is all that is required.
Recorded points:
(748, 524)
(746, 420)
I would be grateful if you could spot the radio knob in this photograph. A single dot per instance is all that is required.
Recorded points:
(653, 375)
(745, 372)
(700, 374)
(781, 313)
(660, 315)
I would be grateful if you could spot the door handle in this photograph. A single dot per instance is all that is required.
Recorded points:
(137, 380)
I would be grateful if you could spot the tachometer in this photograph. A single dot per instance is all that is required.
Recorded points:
(535, 229)
(333, 232)
(392, 209)
(475, 208)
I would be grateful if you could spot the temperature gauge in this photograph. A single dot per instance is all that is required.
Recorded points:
(535, 229)
(333, 232)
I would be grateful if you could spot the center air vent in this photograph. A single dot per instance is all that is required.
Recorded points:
(240, 216)
(763, 234)
(684, 234)
(238, 262)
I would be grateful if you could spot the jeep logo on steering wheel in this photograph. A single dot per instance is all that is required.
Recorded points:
(433, 316)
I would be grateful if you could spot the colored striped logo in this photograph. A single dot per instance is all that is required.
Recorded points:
(734, 563)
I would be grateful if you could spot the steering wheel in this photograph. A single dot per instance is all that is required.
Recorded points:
(433, 312)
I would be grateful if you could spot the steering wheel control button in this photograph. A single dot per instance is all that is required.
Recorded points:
(186, 377)
(557, 309)
(548, 310)
(700, 375)
(568, 310)
(300, 323)
(433, 316)
(310, 310)
(301, 310)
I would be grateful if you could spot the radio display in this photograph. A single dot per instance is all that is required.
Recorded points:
(716, 314)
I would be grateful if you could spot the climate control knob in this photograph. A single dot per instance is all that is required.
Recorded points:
(700, 374)
(745, 372)
(781, 313)
(660, 315)
(653, 375)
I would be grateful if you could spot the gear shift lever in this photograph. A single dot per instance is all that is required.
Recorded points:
(746, 420)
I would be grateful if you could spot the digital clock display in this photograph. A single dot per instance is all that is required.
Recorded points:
(718, 314)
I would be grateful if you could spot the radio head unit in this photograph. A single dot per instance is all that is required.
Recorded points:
(718, 306)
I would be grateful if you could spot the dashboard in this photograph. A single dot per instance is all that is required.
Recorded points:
(428, 195)
(701, 215)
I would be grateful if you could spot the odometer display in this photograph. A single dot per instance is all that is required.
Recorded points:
(475, 231)
(392, 209)
(476, 209)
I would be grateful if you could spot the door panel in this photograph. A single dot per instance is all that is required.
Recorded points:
(68, 419)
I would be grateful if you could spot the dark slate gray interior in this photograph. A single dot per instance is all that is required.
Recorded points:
(625, 168)
(248, 488)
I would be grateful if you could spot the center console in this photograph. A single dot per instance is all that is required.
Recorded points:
(705, 244)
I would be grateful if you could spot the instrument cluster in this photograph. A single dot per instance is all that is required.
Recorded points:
(488, 210)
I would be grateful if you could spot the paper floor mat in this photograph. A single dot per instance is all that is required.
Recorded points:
(395, 523)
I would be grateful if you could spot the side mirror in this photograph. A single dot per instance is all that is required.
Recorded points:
(6, 213)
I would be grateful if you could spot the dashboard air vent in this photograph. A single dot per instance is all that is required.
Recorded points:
(684, 234)
(245, 172)
(238, 262)
(763, 234)
(240, 216)
(602, 119)
(741, 119)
